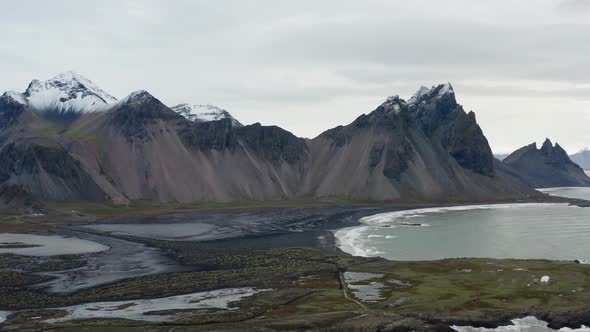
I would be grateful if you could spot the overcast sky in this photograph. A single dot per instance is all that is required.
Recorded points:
(522, 66)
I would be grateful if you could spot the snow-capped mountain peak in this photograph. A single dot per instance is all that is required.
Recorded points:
(67, 92)
(204, 113)
(431, 93)
(137, 96)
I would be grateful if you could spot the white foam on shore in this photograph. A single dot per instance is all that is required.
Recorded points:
(4, 315)
(49, 245)
(526, 324)
(140, 309)
(352, 240)
(400, 216)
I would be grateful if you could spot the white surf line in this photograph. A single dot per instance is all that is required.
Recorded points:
(402, 215)
(4, 315)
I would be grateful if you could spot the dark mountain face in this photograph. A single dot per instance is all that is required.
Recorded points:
(269, 142)
(464, 140)
(549, 166)
(48, 172)
(425, 149)
(212, 135)
(10, 110)
(272, 143)
(443, 119)
(140, 109)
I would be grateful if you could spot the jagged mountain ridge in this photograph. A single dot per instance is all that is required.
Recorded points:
(549, 166)
(64, 97)
(424, 149)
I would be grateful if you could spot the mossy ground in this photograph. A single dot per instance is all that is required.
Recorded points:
(10, 220)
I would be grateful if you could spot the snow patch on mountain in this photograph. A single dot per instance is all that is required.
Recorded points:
(423, 91)
(67, 92)
(204, 113)
(446, 88)
(16, 96)
(394, 103)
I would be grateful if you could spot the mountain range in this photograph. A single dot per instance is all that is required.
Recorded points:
(549, 166)
(66, 139)
(582, 158)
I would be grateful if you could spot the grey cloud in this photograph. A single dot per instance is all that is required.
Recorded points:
(285, 62)
(575, 4)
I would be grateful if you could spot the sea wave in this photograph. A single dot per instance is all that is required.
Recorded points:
(352, 240)
(398, 217)
(529, 323)
(4, 315)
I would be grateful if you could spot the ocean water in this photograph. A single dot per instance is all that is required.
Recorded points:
(550, 231)
(570, 192)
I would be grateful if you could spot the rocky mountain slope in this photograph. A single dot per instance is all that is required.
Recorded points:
(425, 149)
(582, 158)
(33, 159)
(549, 166)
